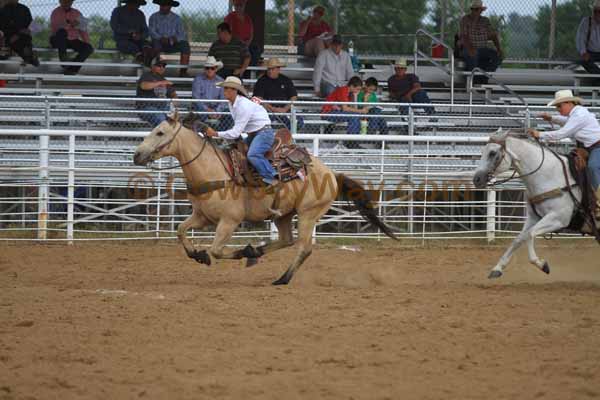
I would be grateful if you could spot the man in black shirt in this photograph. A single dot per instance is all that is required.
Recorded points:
(15, 19)
(275, 86)
(153, 85)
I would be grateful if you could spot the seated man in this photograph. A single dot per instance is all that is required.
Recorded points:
(168, 34)
(588, 42)
(350, 114)
(333, 68)
(205, 87)
(275, 86)
(231, 51)
(15, 19)
(242, 28)
(369, 95)
(475, 32)
(130, 31)
(153, 85)
(405, 88)
(69, 32)
(252, 119)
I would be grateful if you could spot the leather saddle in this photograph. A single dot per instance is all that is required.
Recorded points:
(578, 159)
(289, 160)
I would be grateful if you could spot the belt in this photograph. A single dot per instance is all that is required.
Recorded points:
(594, 146)
(251, 134)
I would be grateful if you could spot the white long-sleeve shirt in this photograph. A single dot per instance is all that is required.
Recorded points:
(581, 37)
(335, 69)
(581, 125)
(247, 116)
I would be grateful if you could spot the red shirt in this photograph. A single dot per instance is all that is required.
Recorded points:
(342, 93)
(243, 30)
(315, 30)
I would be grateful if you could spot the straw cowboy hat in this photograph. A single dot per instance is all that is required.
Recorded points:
(235, 83)
(563, 96)
(274, 63)
(401, 63)
(171, 3)
(212, 62)
(478, 4)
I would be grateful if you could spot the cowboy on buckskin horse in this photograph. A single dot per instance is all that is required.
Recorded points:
(578, 124)
(253, 119)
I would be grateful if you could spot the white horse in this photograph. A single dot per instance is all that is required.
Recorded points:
(550, 206)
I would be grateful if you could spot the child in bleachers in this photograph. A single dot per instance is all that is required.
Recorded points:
(369, 95)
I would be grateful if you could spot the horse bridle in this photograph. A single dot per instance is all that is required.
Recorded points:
(162, 146)
(502, 144)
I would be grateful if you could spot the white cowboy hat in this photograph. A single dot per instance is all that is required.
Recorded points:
(478, 4)
(401, 63)
(235, 83)
(274, 62)
(212, 62)
(563, 96)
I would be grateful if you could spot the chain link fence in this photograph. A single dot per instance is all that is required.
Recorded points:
(527, 28)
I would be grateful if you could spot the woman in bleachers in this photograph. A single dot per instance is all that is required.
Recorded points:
(69, 31)
(315, 32)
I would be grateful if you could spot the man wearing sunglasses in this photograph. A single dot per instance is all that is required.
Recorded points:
(588, 42)
(205, 87)
(153, 85)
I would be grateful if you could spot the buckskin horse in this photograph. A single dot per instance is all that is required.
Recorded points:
(216, 199)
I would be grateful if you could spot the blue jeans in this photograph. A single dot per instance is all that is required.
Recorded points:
(352, 119)
(155, 118)
(485, 58)
(594, 166)
(420, 96)
(377, 124)
(259, 145)
(326, 88)
(285, 120)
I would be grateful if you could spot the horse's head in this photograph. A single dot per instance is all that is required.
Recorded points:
(495, 159)
(159, 143)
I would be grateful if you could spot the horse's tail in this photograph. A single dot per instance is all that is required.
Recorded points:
(360, 197)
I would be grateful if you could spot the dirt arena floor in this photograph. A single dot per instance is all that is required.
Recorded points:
(140, 320)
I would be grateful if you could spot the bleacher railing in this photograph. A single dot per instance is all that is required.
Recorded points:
(449, 70)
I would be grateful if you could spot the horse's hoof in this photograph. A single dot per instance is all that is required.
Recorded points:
(284, 280)
(251, 262)
(546, 267)
(201, 257)
(251, 252)
(495, 274)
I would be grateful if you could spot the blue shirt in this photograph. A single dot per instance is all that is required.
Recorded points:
(166, 25)
(203, 88)
(123, 22)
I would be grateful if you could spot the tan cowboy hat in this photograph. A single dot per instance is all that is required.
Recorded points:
(401, 63)
(212, 62)
(563, 96)
(235, 83)
(478, 4)
(274, 63)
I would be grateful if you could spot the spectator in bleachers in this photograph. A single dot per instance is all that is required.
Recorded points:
(588, 42)
(315, 32)
(168, 34)
(351, 114)
(242, 28)
(332, 69)
(406, 88)
(231, 51)
(475, 33)
(69, 31)
(205, 87)
(153, 85)
(276, 86)
(130, 31)
(15, 20)
(369, 95)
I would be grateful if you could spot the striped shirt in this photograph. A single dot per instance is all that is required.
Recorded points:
(231, 54)
(166, 25)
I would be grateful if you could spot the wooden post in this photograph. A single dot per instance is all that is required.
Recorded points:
(552, 38)
(291, 22)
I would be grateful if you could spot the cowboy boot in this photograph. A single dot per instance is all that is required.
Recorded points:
(184, 59)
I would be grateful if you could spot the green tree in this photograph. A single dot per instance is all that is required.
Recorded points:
(568, 17)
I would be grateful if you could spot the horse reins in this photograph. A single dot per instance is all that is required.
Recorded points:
(183, 164)
(514, 175)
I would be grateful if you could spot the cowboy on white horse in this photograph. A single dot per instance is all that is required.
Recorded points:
(578, 124)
